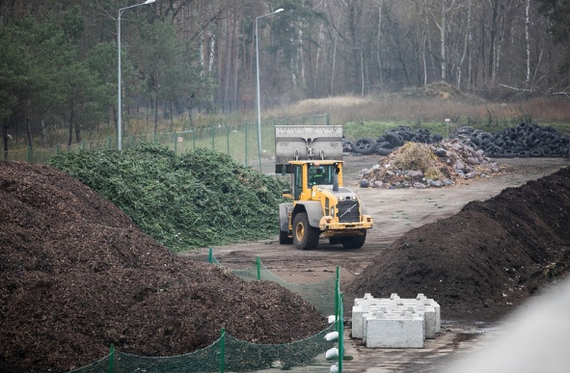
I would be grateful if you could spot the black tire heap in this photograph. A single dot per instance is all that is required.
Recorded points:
(524, 140)
(391, 140)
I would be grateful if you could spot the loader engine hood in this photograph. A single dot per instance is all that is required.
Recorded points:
(348, 204)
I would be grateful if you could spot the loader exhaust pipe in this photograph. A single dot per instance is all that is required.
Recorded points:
(335, 179)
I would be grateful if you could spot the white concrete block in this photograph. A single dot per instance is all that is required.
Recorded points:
(402, 331)
(369, 308)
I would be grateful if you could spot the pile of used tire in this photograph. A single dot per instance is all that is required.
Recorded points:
(524, 140)
(391, 140)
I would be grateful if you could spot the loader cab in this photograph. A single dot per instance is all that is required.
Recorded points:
(306, 174)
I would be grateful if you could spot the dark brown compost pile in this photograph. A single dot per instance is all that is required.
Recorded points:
(76, 275)
(487, 259)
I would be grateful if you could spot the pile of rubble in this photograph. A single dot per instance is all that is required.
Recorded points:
(420, 166)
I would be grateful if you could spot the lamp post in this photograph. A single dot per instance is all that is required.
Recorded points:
(258, 94)
(119, 104)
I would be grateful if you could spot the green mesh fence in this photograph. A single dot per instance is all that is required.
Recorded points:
(104, 365)
(237, 140)
(309, 353)
(226, 354)
(320, 294)
(205, 360)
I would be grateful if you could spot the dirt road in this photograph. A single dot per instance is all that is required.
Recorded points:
(395, 211)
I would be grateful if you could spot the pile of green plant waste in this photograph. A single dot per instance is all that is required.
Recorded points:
(198, 199)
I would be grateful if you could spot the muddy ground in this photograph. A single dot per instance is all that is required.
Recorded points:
(400, 211)
(395, 211)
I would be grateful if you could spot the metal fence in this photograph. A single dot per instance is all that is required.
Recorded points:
(238, 140)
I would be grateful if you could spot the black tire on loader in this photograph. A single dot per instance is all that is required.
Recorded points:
(305, 237)
(354, 242)
(335, 240)
(284, 238)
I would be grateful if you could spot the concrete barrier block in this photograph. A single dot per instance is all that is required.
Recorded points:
(394, 331)
(369, 308)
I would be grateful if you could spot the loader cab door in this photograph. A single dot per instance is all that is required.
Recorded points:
(297, 181)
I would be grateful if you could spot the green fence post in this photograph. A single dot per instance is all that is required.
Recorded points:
(109, 142)
(175, 143)
(29, 156)
(246, 126)
(132, 140)
(336, 293)
(194, 139)
(258, 269)
(56, 149)
(222, 350)
(154, 137)
(341, 336)
(210, 255)
(328, 119)
(228, 138)
(111, 358)
(213, 136)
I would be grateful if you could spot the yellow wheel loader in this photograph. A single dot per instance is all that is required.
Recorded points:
(320, 206)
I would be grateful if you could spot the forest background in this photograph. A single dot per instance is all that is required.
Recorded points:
(185, 58)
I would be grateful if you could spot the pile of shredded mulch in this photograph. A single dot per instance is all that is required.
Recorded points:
(484, 261)
(77, 275)
(420, 166)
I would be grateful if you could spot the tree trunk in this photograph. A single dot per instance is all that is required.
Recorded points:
(155, 107)
(70, 129)
(28, 127)
(527, 42)
(43, 133)
(466, 45)
(5, 138)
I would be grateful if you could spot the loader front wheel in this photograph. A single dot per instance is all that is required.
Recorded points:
(305, 237)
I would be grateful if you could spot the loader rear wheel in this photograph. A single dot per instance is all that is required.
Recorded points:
(305, 237)
(284, 238)
(354, 242)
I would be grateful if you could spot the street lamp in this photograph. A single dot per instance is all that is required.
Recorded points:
(258, 95)
(119, 111)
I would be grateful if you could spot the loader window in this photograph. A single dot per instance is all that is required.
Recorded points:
(297, 182)
(320, 175)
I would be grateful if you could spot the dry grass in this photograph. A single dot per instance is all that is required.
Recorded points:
(464, 111)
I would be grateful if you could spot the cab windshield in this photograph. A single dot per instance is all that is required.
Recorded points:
(321, 174)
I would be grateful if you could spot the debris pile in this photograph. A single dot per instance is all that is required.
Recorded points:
(420, 166)
(77, 275)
